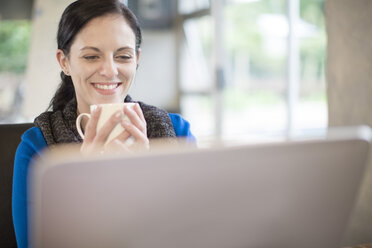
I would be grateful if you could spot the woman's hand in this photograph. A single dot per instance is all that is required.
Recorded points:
(95, 141)
(135, 129)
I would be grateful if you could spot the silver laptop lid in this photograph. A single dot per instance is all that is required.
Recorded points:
(281, 194)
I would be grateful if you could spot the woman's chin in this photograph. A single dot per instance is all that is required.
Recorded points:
(108, 101)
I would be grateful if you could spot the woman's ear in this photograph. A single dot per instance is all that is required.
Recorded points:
(138, 55)
(62, 60)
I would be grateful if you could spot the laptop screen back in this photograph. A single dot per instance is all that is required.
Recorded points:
(284, 194)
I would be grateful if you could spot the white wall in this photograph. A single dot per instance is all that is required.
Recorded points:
(155, 82)
(349, 73)
(156, 76)
(42, 77)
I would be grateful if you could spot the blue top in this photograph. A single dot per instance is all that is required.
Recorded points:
(32, 144)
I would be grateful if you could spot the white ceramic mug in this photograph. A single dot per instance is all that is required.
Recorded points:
(107, 110)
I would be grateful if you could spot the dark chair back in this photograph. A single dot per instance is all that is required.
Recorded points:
(10, 136)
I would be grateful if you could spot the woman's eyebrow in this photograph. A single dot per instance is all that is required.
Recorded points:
(90, 47)
(125, 48)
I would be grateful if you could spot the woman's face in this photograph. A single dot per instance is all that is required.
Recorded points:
(102, 61)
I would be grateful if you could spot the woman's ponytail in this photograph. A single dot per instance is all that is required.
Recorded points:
(64, 93)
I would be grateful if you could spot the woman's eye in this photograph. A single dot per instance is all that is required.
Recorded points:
(93, 57)
(123, 57)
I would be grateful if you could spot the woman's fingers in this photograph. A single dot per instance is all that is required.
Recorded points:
(123, 136)
(138, 135)
(95, 140)
(136, 117)
(134, 127)
(137, 126)
(91, 127)
(116, 146)
(139, 112)
(106, 129)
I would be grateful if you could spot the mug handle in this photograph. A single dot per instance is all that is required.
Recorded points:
(78, 123)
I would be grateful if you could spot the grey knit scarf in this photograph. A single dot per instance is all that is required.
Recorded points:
(58, 127)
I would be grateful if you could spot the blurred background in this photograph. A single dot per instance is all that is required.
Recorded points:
(233, 68)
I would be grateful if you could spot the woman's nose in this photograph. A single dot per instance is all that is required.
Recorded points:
(109, 69)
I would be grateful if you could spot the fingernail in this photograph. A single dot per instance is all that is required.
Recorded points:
(118, 115)
(96, 109)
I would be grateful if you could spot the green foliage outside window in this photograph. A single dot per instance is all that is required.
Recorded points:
(14, 45)
(244, 37)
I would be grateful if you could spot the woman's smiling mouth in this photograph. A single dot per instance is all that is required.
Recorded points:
(106, 88)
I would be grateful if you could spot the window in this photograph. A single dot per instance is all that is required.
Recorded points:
(14, 42)
(191, 6)
(273, 56)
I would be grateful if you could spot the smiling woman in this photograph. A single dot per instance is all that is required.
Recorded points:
(102, 70)
(98, 52)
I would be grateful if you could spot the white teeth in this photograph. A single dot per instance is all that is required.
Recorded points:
(106, 86)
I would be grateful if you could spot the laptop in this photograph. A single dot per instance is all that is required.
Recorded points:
(297, 193)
